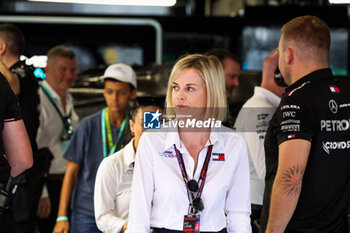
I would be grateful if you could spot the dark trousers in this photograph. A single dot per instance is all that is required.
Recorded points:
(7, 221)
(163, 230)
(25, 206)
(54, 186)
(255, 218)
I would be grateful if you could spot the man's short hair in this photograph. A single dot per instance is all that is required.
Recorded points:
(60, 51)
(307, 32)
(222, 54)
(13, 38)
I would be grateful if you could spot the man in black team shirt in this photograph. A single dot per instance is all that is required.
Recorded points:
(307, 144)
(15, 152)
(25, 86)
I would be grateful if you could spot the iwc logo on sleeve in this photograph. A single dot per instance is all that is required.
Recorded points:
(333, 106)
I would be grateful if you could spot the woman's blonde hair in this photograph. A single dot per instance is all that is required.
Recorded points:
(212, 73)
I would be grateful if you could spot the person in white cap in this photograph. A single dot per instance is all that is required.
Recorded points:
(96, 137)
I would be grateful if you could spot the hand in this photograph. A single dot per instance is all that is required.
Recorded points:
(44, 207)
(62, 227)
(270, 64)
(124, 228)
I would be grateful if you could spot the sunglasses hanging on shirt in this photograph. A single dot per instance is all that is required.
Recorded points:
(192, 185)
(66, 119)
(197, 202)
(68, 127)
(194, 192)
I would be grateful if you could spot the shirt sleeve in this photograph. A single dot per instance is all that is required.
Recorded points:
(104, 198)
(142, 188)
(75, 150)
(237, 204)
(25, 76)
(252, 124)
(10, 100)
(295, 121)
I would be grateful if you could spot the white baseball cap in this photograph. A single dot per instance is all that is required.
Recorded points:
(120, 72)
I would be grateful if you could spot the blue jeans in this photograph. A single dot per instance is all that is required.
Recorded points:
(81, 223)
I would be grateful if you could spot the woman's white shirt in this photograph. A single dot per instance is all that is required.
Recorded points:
(159, 197)
(112, 189)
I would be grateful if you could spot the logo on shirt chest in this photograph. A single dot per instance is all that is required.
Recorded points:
(167, 154)
(333, 106)
(129, 171)
(218, 157)
(336, 145)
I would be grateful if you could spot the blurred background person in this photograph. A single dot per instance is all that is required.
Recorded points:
(196, 84)
(252, 122)
(96, 137)
(114, 177)
(57, 122)
(232, 69)
(16, 154)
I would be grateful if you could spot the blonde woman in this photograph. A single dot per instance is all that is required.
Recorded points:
(189, 177)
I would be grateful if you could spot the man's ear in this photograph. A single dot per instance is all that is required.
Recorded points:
(3, 47)
(289, 56)
(132, 126)
(45, 69)
(133, 94)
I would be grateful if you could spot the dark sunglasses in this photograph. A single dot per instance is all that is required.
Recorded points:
(67, 123)
(197, 203)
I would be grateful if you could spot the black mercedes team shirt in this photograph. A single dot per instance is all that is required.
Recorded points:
(315, 108)
(9, 111)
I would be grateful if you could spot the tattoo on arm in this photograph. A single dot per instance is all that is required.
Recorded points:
(292, 179)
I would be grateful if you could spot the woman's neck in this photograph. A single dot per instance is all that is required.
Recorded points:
(194, 143)
(194, 138)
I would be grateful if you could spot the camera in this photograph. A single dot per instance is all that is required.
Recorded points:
(5, 195)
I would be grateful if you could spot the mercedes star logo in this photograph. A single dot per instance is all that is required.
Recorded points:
(333, 106)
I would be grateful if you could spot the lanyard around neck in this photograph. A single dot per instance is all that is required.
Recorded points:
(106, 129)
(48, 94)
(203, 174)
(66, 123)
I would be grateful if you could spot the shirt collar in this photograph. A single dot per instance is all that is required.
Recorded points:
(130, 152)
(57, 98)
(53, 93)
(271, 97)
(322, 74)
(173, 137)
(17, 64)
